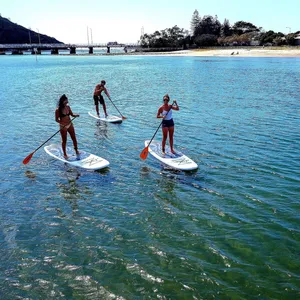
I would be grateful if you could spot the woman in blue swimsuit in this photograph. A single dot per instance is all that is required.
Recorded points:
(165, 112)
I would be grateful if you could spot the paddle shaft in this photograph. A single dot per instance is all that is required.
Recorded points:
(116, 108)
(52, 136)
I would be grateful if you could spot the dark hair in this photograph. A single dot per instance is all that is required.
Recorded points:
(103, 81)
(60, 103)
(166, 96)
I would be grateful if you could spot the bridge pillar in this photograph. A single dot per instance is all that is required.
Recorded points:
(73, 50)
(91, 50)
(54, 51)
(108, 49)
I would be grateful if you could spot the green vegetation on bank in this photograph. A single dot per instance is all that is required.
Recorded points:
(207, 31)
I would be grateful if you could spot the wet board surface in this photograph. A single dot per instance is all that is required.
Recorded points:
(177, 161)
(85, 160)
(109, 118)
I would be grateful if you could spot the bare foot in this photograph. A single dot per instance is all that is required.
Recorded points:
(66, 156)
(173, 151)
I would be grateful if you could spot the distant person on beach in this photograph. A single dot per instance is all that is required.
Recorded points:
(62, 116)
(99, 98)
(165, 112)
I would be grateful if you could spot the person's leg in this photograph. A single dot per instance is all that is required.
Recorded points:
(171, 134)
(164, 139)
(96, 105)
(63, 133)
(104, 108)
(71, 131)
(102, 102)
(97, 110)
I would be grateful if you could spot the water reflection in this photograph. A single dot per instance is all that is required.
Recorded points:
(101, 130)
(70, 191)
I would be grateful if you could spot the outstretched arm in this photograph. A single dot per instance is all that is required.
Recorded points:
(107, 94)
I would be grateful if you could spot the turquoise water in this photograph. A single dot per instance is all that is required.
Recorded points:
(137, 230)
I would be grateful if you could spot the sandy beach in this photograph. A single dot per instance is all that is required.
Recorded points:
(243, 52)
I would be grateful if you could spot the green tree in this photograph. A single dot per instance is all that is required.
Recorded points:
(169, 37)
(225, 29)
(206, 40)
(208, 25)
(241, 27)
(196, 19)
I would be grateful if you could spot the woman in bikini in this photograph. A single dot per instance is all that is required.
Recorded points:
(62, 116)
(165, 112)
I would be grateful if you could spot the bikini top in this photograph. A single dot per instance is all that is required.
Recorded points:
(61, 115)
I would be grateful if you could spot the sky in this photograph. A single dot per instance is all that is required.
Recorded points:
(124, 21)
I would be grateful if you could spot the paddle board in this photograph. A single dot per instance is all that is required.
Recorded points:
(109, 118)
(177, 161)
(85, 160)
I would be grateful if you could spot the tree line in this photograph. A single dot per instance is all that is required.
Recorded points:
(207, 31)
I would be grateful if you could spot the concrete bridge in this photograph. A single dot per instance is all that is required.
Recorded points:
(54, 48)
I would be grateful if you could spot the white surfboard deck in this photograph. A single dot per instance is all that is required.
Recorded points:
(109, 118)
(85, 160)
(177, 161)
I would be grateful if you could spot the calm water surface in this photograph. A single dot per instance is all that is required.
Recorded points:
(137, 230)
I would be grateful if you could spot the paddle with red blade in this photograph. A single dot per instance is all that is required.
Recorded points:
(145, 151)
(27, 159)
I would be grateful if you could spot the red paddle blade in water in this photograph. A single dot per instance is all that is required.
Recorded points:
(144, 153)
(27, 159)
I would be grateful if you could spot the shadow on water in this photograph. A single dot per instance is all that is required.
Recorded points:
(103, 129)
(170, 175)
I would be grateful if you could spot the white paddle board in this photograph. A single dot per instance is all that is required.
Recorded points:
(109, 118)
(177, 161)
(84, 160)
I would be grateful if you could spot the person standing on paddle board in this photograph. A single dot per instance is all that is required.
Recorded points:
(165, 112)
(99, 98)
(62, 116)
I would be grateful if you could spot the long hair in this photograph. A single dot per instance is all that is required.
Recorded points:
(60, 103)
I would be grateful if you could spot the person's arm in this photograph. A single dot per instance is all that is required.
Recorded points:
(73, 115)
(159, 116)
(107, 94)
(175, 107)
(57, 119)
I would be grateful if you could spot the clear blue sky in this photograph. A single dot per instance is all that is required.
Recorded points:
(123, 20)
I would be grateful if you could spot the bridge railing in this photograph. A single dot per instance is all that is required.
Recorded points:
(64, 46)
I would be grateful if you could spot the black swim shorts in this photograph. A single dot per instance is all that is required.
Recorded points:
(167, 123)
(98, 99)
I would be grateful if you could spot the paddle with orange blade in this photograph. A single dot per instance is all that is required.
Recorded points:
(123, 118)
(145, 151)
(28, 158)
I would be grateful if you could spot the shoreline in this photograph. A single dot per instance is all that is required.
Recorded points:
(236, 52)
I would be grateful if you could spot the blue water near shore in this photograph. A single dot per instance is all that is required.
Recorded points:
(137, 230)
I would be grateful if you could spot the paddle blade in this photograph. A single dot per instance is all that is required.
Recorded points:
(27, 159)
(124, 118)
(144, 153)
